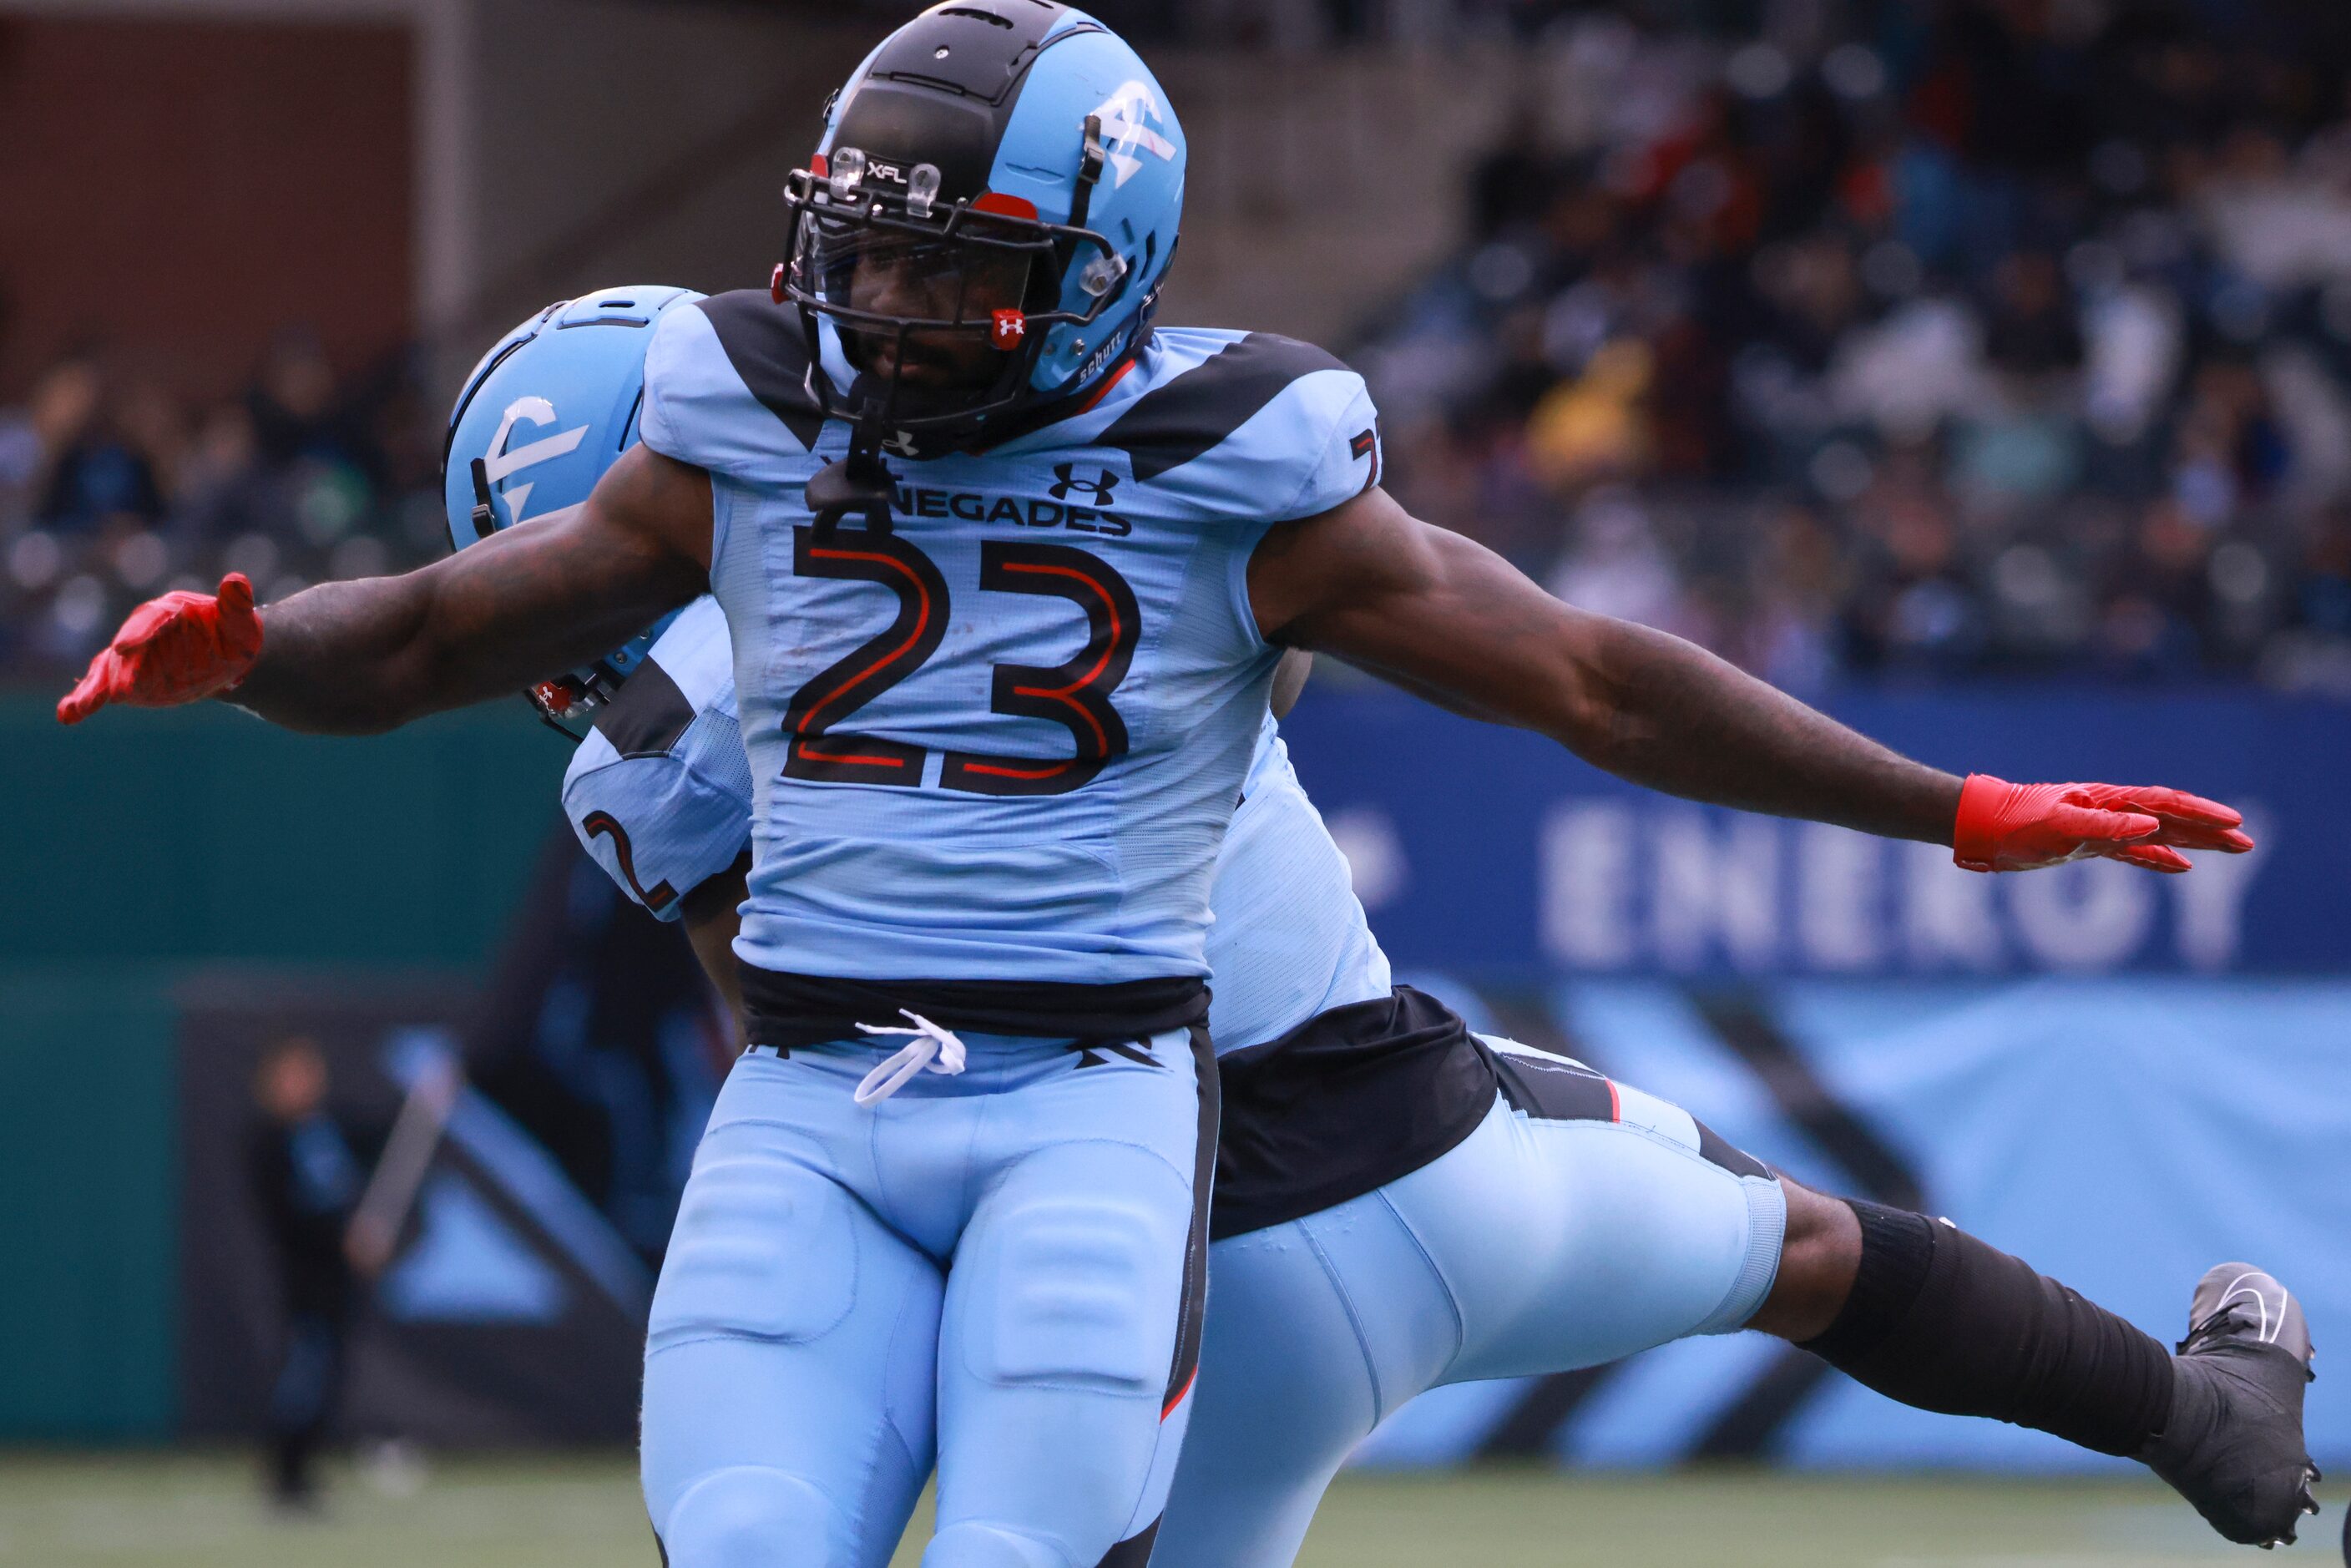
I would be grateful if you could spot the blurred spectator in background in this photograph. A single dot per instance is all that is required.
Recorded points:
(113, 489)
(102, 465)
(1980, 337)
(306, 1178)
(1921, 338)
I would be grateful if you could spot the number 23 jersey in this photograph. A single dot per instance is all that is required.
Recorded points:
(1001, 737)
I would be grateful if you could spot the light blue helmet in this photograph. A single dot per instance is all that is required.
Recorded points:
(984, 139)
(550, 407)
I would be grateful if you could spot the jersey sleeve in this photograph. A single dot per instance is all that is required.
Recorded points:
(725, 387)
(1345, 460)
(659, 824)
(1259, 429)
(659, 792)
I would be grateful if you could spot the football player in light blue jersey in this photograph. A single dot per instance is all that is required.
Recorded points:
(1005, 571)
(1366, 1248)
(1361, 1255)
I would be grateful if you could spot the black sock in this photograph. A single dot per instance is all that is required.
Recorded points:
(1939, 1321)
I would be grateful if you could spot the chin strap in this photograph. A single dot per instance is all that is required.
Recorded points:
(485, 516)
(1092, 159)
(860, 482)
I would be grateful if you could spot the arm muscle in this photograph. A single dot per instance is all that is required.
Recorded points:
(524, 605)
(1442, 616)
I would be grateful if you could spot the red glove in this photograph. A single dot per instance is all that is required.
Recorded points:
(2019, 827)
(180, 648)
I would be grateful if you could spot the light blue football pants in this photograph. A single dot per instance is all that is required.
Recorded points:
(1600, 1222)
(1002, 1268)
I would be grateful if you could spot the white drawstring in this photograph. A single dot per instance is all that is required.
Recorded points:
(932, 1047)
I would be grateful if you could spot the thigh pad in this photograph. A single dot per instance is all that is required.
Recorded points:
(1086, 1289)
(765, 1246)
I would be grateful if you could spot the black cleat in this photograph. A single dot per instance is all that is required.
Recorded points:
(2234, 1446)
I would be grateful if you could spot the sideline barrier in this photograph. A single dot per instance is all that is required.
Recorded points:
(200, 834)
(2122, 1135)
(2123, 1077)
(1491, 851)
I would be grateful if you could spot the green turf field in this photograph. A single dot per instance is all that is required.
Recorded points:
(199, 1513)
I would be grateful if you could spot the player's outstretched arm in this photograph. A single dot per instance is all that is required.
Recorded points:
(369, 656)
(1442, 616)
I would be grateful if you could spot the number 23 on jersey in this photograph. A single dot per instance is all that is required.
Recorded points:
(1075, 694)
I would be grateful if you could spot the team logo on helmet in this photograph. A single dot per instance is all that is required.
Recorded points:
(499, 462)
(1124, 132)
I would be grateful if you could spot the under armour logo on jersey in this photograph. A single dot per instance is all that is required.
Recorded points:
(1066, 484)
(1124, 133)
(501, 461)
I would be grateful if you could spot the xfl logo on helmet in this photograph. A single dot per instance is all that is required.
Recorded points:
(1066, 484)
(1125, 131)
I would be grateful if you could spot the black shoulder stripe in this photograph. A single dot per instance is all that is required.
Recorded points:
(648, 716)
(1554, 1091)
(765, 344)
(1170, 425)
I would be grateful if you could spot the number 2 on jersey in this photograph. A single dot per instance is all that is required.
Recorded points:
(1075, 694)
(873, 667)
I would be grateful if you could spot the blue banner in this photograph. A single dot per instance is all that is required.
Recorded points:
(2122, 1077)
(2123, 1135)
(1491, 851)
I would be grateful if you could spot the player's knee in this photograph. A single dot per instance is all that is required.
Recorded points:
(1818, 1261)
(975, 1545)
(751, 1517)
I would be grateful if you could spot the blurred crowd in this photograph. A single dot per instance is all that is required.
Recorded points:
(1848, 338)
(113, 488)
(1985, 336)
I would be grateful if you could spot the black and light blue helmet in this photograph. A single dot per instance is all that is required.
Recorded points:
(550, 407)
(1004, 131)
